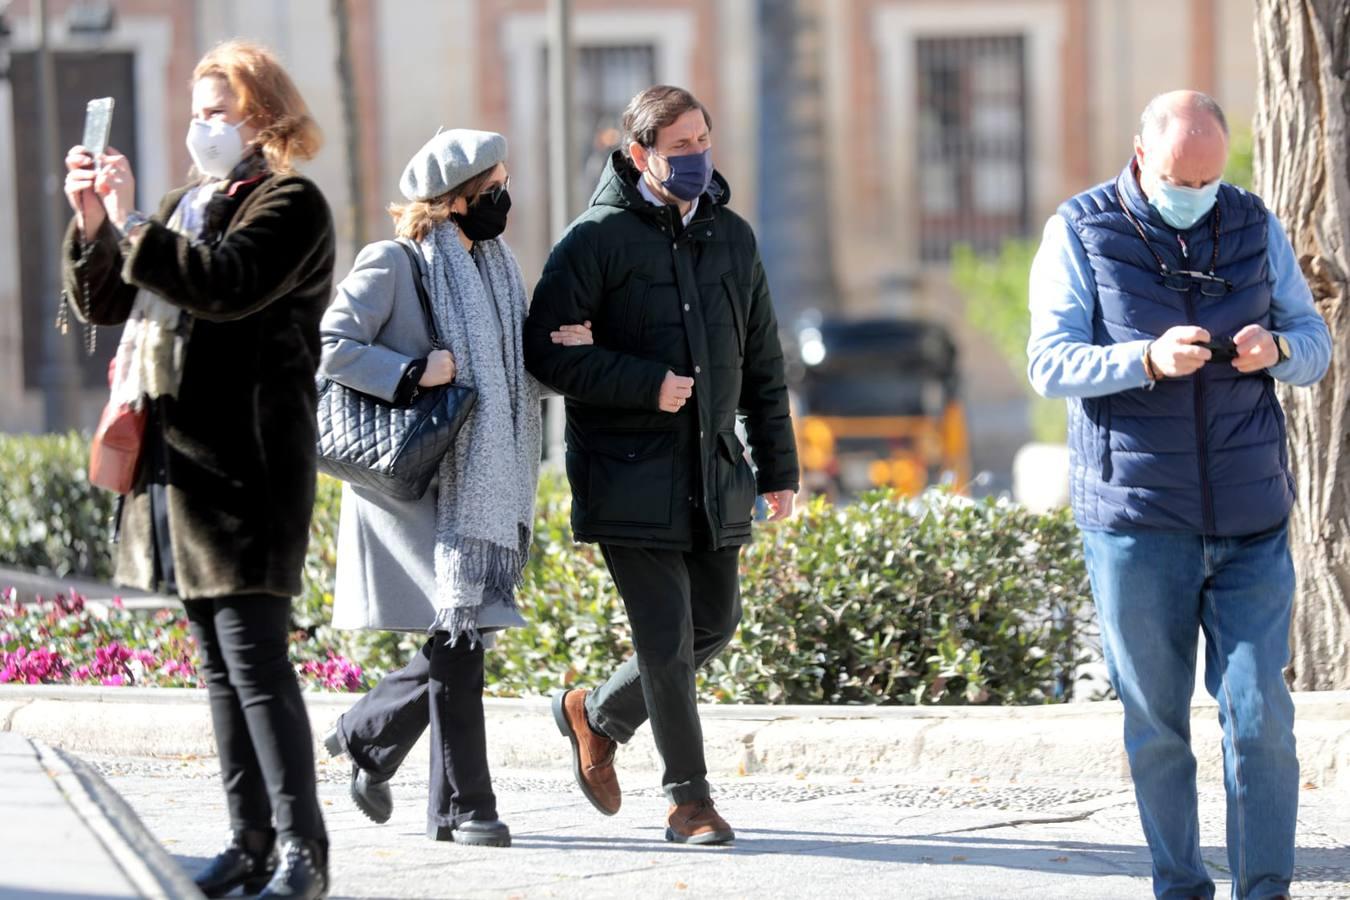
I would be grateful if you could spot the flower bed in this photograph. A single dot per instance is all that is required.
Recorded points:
(887, 600)
(64, 640)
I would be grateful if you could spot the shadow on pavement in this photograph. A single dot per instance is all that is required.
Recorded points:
(1077, 857)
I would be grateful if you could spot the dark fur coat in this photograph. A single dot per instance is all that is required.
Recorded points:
(237, 444)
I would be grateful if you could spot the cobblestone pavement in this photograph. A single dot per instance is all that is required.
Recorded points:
(798, 837)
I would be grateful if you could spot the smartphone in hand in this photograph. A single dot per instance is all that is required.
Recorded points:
(97, 125)
(1222, 349)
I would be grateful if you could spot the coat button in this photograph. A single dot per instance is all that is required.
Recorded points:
(697, 370)
(708, 232)
(686, 307)
(632, 454)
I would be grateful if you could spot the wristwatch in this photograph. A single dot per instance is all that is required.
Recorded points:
(134, 221)
(1282, 348)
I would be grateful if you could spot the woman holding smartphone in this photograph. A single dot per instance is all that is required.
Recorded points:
(221, 291)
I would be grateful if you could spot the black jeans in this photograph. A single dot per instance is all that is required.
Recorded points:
(683, 609)
(262, 729)
(442, 687)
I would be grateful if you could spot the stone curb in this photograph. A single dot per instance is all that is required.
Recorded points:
(148, 869)
(1081, 741)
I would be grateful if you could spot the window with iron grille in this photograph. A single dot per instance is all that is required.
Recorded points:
(972, 154)
(604, 80)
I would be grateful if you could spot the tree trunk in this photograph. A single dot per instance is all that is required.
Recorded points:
(1302, 169)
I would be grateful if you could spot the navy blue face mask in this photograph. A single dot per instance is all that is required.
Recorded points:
(690, 174)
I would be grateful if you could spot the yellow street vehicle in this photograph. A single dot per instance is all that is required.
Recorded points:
(877, 404)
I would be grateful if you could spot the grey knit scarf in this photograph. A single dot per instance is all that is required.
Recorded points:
(485, 509)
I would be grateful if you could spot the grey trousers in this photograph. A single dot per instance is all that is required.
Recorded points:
(683, 609)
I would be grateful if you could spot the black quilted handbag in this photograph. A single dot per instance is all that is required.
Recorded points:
(396, 450)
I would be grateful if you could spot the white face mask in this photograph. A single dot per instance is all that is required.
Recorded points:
(215, 146)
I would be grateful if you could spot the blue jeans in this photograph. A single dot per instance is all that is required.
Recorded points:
(1154, 592)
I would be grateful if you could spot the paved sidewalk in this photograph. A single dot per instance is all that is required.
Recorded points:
(64, 833)
(798, 837)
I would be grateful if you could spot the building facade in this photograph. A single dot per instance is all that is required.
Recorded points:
(940, 121)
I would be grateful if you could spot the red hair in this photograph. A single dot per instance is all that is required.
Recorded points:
(268, 96)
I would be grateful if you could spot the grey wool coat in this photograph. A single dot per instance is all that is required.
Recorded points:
(386, 574)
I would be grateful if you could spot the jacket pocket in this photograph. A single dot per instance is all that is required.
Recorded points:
(737, 314)
(735, 482)
(1098, 411)
(631, 478)
(1277, 411)
(635, 311)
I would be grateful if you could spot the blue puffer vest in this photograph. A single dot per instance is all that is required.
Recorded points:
(1204, 454)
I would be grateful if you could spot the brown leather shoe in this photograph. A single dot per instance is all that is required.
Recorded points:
(592, 754)
(697, 822)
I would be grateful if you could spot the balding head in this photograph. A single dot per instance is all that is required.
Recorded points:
(1182, 140)
(1195, 108)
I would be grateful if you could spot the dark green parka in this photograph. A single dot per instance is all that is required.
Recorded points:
(661, 297)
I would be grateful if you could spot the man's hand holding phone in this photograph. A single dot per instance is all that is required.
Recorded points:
(1177, 351)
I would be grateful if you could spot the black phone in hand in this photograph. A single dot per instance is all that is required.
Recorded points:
(1221, 350)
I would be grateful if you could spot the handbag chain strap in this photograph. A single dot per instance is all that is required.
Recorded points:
(422, 295)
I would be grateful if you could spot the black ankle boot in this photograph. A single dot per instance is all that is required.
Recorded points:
(302, 873)
(248, 860)
(370, 792)
(477, 833)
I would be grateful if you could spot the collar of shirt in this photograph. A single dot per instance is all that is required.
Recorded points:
(654, 200)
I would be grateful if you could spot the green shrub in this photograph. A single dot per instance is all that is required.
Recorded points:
(940, 600)
(52, 520)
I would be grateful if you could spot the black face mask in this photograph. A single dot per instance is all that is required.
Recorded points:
(486, 218)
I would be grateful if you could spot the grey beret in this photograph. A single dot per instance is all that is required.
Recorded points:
(448, 160)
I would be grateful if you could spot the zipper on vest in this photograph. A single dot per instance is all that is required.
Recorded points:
(1201, 434)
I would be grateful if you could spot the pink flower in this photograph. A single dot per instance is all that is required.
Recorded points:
(179, 668)
(336, 673)
(39, 666)
(67, 605)
(114, 681)
(118, 604)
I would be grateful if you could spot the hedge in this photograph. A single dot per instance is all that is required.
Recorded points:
(886, 600)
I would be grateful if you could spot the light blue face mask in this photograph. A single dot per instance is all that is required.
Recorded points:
(1182, 207)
